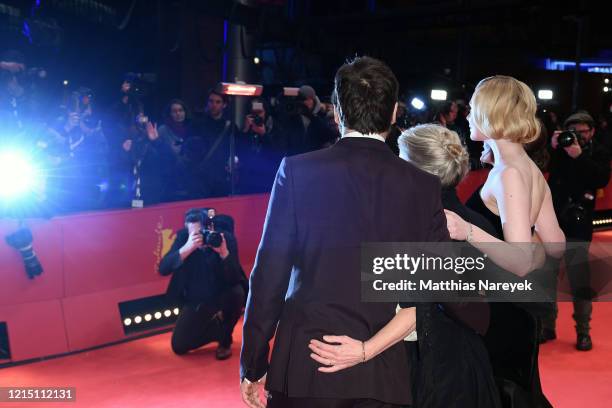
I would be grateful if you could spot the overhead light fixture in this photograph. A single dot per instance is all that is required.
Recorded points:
(291, 91)
(439, 94)
(236, 89)
(545, 94)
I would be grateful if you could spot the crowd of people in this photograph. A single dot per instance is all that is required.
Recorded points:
(95, 157)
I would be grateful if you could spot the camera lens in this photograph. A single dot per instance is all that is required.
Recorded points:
(566, 138)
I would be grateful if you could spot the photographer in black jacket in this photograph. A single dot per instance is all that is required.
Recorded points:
(207, 281)
(579, 166)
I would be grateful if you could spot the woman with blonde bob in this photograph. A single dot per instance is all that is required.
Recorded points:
(453, 367)
(516, 199)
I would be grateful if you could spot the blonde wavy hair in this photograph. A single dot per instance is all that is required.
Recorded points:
(503, 107)
(436, 150)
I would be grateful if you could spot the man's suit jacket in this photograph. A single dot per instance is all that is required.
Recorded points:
(306, 276)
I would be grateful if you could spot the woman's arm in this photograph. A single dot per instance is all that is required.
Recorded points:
(515, 253)
(339, 352)
(547, 228)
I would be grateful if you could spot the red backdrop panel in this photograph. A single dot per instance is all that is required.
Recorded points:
(94, 261)
(35, 329)
(94, 319)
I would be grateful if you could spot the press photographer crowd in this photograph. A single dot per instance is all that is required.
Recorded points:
(94, 157)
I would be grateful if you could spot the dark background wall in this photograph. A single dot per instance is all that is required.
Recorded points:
(445, 43)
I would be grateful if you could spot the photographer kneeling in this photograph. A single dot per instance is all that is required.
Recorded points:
(207, 281)
(579, 166)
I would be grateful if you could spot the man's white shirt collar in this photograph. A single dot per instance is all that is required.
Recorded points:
(368, 135)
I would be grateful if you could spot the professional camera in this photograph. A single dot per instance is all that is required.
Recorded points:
(567, 137)
(257, 120)
(21, 240)
(211, 238)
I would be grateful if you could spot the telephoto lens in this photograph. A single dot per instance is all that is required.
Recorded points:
(566, 138)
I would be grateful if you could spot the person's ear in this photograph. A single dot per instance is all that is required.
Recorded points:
(394, 115)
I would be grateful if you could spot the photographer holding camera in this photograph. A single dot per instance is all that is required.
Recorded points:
(579, 166)
(304, 127)
(207, 280)
(260, 149)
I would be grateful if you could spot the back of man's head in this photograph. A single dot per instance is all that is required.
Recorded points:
(365, 94)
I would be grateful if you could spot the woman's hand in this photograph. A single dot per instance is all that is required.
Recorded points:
(458, 228)
(344, 353)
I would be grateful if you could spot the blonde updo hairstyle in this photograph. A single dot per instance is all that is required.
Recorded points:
(436, 150)
(504, 108)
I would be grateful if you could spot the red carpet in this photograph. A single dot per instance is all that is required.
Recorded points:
(145, 373)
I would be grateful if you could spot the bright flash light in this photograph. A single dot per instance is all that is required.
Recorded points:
(65, 82)
(17, 175)
(176, 311)
(607, 81)
(158, 315)
(256, 60)
(606, 89)
(438, 94)
(545, 94)
(148, 317)
(127, 322)
(417, 103)
(167, 313)
(137, 319)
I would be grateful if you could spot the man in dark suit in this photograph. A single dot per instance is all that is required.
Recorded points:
(306, 278)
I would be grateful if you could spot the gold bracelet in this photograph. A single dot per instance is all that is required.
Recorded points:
(363, 350)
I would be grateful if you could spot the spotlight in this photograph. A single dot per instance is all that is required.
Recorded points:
(607, 81)
(127, 321)
(137, 319)
(606, 89)
(66, 82)
(176, 311)
(148, 317)
(545, 94)
(158, 315)
(438, 94)
(256, 60)
(17, 175)
(417, 103)
(167, 313)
